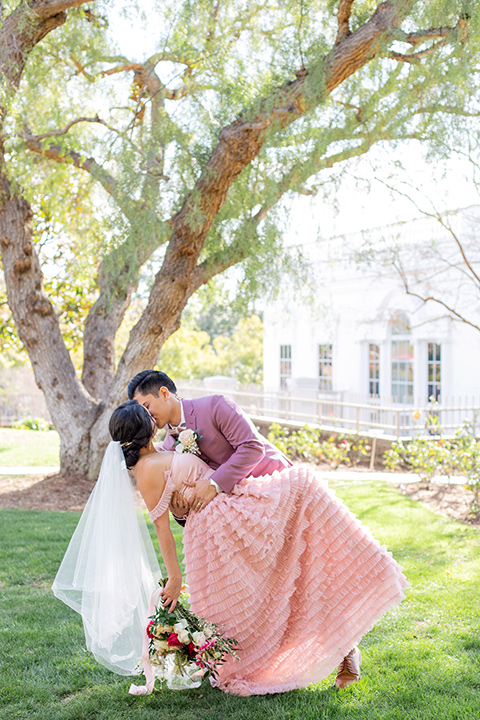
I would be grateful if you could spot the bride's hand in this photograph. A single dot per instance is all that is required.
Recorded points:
(171, 592)
(178, 505)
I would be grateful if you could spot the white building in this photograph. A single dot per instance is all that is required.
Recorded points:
(363, 339)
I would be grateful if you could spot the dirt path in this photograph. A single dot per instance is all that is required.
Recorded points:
(55, 492)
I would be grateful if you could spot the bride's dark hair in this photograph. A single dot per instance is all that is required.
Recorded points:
(132, 426)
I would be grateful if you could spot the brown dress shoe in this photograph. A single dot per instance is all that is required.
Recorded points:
(349, 669)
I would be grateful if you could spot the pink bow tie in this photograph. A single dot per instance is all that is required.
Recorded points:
(176, 430)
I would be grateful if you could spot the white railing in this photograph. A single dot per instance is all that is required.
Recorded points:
(332, 411)
(354, 414)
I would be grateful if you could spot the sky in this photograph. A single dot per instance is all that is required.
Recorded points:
(365, 200)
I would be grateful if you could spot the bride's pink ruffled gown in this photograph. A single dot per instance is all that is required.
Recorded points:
(287, 570)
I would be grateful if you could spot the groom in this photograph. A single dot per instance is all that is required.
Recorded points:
(228, 440)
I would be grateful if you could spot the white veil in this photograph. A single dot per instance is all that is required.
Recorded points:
(110, 569)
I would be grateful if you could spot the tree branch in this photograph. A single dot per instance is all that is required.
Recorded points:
(24, 28)
(415, 58)
(89, 164)
(431, 298)
(57, 133)
(423, 35)
(239, 143)
(293, 180)
(343, 18)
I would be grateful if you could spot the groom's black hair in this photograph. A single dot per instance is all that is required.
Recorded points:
(149, 382)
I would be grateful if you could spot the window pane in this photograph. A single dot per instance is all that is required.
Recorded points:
(434, 371)
(402, 371)
(325, 366)
(285, 365)
(374, 369)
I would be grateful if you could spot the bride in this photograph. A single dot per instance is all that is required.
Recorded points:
(279, 562)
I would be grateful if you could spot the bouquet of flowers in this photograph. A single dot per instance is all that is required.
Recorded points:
(187, 442)
(183, 644)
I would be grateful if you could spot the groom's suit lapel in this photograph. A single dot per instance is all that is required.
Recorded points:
(191, 423)
(190, 417)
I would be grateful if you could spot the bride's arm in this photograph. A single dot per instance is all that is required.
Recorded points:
(171, 591)
(150, 478)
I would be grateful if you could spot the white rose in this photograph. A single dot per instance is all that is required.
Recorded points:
(160, 645)
(199, 638)
(180, 625)
(179, 448)
(208, 632)
(186, 437)
(184, 636)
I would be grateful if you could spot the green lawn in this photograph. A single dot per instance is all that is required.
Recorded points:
(28, 447)
(421, 662)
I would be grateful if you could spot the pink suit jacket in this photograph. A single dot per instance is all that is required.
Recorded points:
(230, 443)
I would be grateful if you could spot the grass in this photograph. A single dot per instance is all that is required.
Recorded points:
(421, 662)
(28, 448)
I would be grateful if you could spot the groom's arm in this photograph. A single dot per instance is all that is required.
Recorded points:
(240, 433)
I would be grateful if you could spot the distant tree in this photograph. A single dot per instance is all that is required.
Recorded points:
(192, 354)
(188, 154)
(241, 356)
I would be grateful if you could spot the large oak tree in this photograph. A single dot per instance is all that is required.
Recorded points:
(189, 151)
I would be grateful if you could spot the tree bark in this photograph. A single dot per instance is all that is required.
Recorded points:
(24, 28)
(71, 408)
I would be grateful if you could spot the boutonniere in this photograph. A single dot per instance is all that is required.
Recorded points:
(187, 442)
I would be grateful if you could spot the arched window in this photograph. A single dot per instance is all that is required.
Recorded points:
(400, 324)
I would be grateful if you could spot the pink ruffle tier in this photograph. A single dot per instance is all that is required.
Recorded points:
(289, 572)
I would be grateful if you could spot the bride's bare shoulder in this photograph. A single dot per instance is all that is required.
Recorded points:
(152, 466)
(149, 473)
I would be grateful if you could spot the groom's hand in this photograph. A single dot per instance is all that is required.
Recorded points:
(204, 493)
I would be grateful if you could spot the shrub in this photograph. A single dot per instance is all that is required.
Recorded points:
(29, 423)
(431, 455)
(306, 445)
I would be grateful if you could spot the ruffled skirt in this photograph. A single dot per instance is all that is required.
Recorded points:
(289, 572)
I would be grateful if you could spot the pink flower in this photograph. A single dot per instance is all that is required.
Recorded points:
(149, 631)
(191, 650)
(173, 640)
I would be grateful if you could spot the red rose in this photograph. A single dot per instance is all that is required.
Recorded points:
(173, 640)
(149, 632)
(192, 650)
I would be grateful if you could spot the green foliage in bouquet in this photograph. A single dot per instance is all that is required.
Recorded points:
(306, 445)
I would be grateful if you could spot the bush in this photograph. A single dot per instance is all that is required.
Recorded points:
(306, 445)
(431, 455)
(29, 423)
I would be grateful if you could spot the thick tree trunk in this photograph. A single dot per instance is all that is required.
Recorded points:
(72, 410)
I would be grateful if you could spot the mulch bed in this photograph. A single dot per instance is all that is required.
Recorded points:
(452, 501)
(53, 492)
(56, 492)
